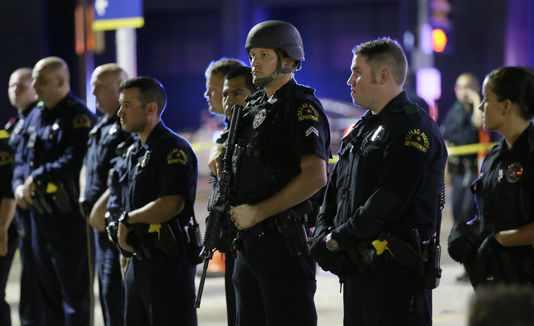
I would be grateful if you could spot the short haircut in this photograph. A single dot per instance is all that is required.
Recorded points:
(112, 69)
(515, 84)
(222, 66)
(245, 72)
(24, 72)
(150, 90)
(473, 79)
(384, 52)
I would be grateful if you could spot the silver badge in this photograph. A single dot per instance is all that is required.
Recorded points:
(259, 118)
(113, 129)
(514, 172)
(144, 162)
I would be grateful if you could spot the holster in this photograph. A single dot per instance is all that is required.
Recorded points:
(51, 198)
(291, 224)
(431, 254)
(194, 241)
(85, 208)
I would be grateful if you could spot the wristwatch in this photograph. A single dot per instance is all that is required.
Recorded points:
(124, 219)
(331, 243)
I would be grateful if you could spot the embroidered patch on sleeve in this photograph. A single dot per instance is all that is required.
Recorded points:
(81, 120)
(176, 156)
(307, 112)
(418, 139)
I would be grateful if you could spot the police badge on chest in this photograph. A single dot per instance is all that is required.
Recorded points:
(259, 118)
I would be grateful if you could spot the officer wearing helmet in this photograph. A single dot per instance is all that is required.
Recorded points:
(278, 165)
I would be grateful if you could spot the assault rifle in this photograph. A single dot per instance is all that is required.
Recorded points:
(219, 205)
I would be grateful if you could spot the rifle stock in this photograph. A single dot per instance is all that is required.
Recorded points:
(219, 203)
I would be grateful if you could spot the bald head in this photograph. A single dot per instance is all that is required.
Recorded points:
(105, 84)
(20, 91)
(51, 80)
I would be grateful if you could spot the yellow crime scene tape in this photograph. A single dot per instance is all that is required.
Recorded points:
(452, 150)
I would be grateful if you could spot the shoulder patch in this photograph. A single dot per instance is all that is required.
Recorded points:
(418, 139)
(411, 109)
(4, 134)
(307, 111)
(5, 158)
(176, 156)
(81, 120)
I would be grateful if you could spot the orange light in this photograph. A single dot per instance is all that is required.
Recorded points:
(439, 40)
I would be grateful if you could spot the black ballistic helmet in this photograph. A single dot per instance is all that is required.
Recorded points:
(276, 34)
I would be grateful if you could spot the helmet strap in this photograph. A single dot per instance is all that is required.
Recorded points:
(262, 82)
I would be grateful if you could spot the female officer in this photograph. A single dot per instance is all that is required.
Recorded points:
(504, 192)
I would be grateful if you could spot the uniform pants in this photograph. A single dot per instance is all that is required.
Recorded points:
(5, 266)
(387, 297)
(160, 291)
(59, 244)
(271, 287)
(30, 301)
(229, 288)
(110, 283)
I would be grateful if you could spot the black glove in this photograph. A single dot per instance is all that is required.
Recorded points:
(489, 247)
(335, 262)
(463, 242)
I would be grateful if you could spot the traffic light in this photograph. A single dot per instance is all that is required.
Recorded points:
(442, 27)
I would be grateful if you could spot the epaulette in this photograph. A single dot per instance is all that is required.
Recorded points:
(411, 109)
(306, 89)
(254, 96)
(4, 134)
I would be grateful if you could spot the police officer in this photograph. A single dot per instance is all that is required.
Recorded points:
(56, 143)
(22, 96)
(387, 184)
(461, 127)
(214, 74)
(9, 236)
(158, 193)
(284, 143)
(104, 140)
(236, 87)
(505, 188)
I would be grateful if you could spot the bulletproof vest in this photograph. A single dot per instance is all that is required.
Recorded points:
(262, 162)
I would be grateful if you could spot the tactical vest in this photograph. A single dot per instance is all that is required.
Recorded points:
(262, 162)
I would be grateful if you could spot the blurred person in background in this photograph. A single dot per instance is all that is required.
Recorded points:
(102, 148)
(22, 96)
(461, 127)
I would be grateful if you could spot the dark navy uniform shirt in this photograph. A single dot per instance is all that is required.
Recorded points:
(164, 166)
(57, 141)
(6, 165)
(19, 127)
(275, 133)
(102, 147)
(6, 173)
(504, 192)
(388, 178)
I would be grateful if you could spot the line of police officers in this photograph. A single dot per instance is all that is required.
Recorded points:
(376, 229)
